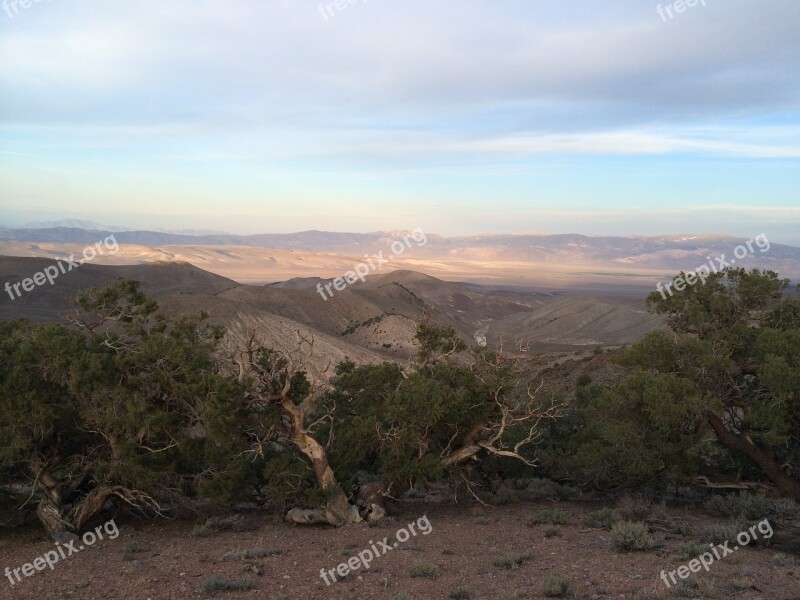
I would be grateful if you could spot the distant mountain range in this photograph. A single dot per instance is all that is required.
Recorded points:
(549, 261)
(94, 226)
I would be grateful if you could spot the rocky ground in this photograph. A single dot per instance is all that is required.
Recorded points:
(468, 552)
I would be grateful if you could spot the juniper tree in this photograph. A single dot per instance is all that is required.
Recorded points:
(124, 406)
(729, 365)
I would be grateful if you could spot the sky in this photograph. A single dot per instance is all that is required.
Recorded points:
(458, 116)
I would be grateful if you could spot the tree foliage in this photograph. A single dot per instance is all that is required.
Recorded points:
(452, 407)
(127, 405)
(730, 365)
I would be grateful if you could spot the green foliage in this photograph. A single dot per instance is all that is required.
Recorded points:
(398, 426)
(634, 508)
(504, 495)
(373, 321)
(602, 518)
(136, 401)
(750, 507)
(434, 340)
(512, 561)
(732, 360)
(739, 341)
(631, 536)
(689, 550)
(638, 429)
(132, 399)
(557, 585)
(424, 569)
(549, 516)
(719, 533)
(544, 489)
(217, 584)
(553, 532)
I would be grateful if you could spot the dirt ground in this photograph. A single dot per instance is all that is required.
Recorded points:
(461, 557)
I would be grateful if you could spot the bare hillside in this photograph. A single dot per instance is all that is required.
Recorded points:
(366, 322)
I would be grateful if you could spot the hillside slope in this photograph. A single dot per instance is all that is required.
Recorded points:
(367, 322)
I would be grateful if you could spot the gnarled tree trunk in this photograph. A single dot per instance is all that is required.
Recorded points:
(51, 517)
(276, 371)
(743, 443)
(50, 508)
(338, 509)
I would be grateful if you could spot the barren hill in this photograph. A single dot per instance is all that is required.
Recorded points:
(366, 322)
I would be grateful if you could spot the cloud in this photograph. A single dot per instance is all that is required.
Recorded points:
(243, 61)
(240, 94)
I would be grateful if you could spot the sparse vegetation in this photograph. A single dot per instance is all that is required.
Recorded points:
(689, 550)
(553, 532)
(424, 569)
(630, 536)
(720, 533)
(512, 561)
(131, 549)
(249, 554)
(227, 523)
(548, 516)
(602, 518)
(373, 321)
(750, 507)
(557, 586)
(544, 489)
(783, 560)
(686, 588)
(634, 508)
(218, 584)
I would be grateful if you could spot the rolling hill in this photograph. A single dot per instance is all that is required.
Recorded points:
(368, 322)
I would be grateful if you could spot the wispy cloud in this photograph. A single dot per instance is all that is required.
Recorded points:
(522, 102)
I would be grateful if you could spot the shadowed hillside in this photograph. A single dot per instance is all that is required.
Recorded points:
(366, 322)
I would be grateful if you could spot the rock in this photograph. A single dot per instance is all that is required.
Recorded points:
(65, 537)
(376, 513)
(303, 516)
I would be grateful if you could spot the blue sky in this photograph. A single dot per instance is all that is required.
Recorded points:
(460, 117)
